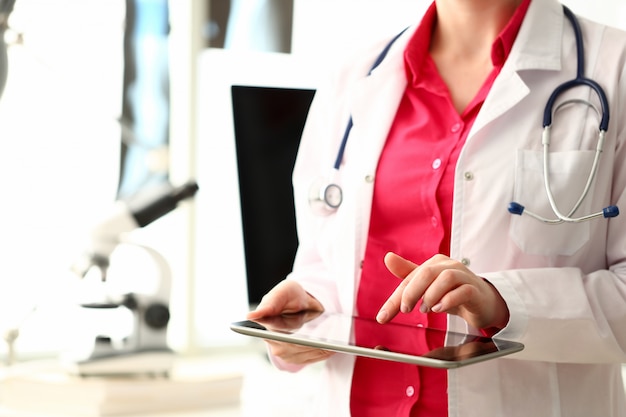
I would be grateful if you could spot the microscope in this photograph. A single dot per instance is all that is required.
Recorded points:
(145, 350)
(6, 7)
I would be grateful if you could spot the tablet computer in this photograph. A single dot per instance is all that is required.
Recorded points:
(366, 337)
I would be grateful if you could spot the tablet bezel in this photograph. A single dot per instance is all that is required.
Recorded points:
(493, 347)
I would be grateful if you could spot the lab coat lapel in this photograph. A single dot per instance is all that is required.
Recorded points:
(509, 90)
(533, 50)
(376, 101)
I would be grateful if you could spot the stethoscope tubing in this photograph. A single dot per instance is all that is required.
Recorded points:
(346, 134)
(549, 111)
(568, 85)
(580, 79)
(327, 197)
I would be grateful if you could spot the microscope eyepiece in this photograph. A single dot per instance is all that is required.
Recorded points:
(154, 204)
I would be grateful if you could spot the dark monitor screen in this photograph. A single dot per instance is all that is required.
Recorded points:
(268, 124)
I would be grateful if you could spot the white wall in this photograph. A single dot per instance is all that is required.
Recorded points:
(329, 27)
(610, 12)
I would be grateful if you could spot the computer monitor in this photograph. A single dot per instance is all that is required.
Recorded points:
(251, 111)
(268, 126)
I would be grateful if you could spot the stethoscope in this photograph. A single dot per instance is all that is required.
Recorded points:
(326, 195)
(580, 80)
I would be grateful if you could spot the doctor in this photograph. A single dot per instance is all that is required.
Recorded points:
(446, 132)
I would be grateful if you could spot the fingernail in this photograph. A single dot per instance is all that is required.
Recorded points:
(436, 308)
(382, 316)
(423, 308)
(405, 308)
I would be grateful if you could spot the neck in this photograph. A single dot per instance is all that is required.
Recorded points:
(461, 43)
(469, 27)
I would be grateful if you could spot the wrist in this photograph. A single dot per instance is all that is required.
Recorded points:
(501, 312)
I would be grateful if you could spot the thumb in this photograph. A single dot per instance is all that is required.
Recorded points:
(261, 311)
(286, 297)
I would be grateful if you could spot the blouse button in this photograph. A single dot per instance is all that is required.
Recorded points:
(468, 176)
(465, 261)
(410, 391)
(369, 179)
(436, 163)
(455, 127)
(434, 221)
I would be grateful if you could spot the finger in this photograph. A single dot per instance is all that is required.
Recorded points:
(285, 297)
(446, 281)
(471, 303)
(453, 287)
(271, 307)
(313, 356)
(440, 274)
(297, 354)
(464, 302)
(273, 303)
(391, 306)
(418, 281)
(407, 294)
(398, 266)
(463, 295)
(401, 268)
(421, 280)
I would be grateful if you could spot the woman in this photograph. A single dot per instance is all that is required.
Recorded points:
(447, 132)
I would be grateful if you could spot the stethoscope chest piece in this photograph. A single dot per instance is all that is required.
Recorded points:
(325, 196)
(333, 195)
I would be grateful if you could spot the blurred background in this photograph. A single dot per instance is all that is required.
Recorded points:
(105, 99)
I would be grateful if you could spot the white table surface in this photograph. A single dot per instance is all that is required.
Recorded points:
(265, 392)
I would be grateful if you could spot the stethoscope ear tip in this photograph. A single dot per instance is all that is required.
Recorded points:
(610, 211)
(516, 208)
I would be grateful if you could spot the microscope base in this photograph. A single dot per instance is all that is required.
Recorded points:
(149, 362)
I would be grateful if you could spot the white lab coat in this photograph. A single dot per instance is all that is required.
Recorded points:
(565, 285)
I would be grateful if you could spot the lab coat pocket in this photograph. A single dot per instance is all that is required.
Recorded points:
(568, 173)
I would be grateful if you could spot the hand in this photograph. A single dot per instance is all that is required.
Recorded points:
(467, 350)
(444, 286)
(289, 297)
(286, 297)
